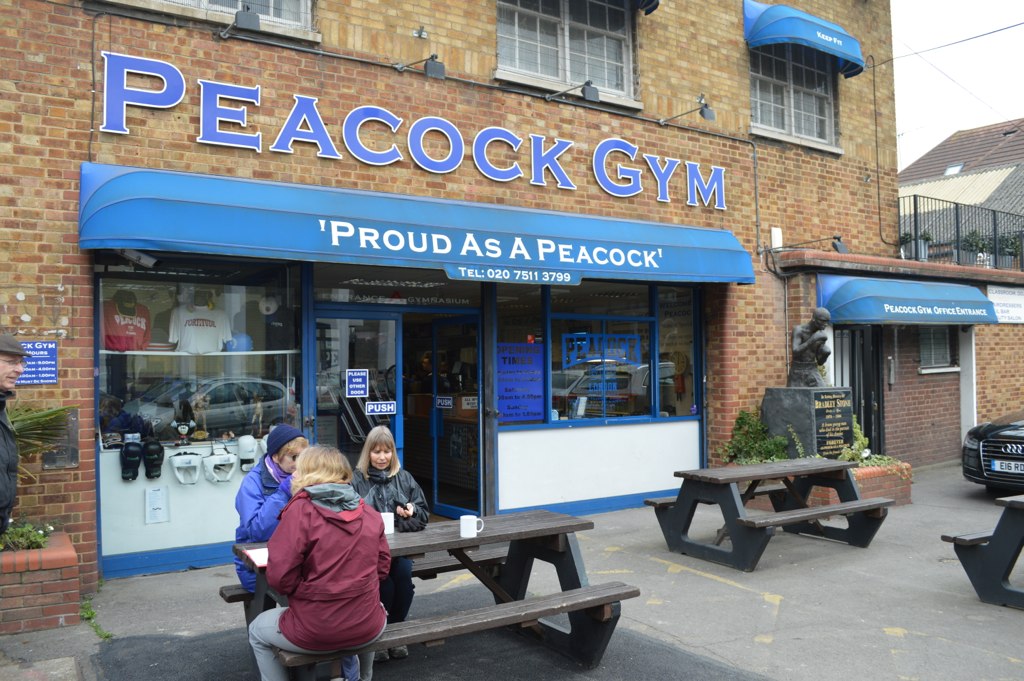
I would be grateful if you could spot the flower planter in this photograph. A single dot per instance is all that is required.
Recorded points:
(39, 588)
(872, 481)
(921, 250)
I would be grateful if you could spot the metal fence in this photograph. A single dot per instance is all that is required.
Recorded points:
(945, 231)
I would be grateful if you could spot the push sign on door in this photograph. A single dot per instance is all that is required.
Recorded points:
(381, 408)
(444, 402)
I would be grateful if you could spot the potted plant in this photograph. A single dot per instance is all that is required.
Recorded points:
(37, 430)
(877, 475)
(974, 249)
(1009, 250)
(34, 558)
(920, 250)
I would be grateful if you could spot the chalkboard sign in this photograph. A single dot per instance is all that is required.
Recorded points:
(833, 421)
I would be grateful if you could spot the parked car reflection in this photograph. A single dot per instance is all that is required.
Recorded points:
(610, 388)
(220, 405)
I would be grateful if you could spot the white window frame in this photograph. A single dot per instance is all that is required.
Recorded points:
(573, 67)
(274, 17)
(792, 101)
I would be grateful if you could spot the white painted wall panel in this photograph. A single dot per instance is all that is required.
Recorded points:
(552, 466)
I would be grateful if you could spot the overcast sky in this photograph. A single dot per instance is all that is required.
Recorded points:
(970, 85)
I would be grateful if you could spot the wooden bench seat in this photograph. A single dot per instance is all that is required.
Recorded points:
(599, 601)
(875, 507)
(235, 593)
(970, 539)
(431, 565)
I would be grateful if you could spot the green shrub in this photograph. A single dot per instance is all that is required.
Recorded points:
(860, 453)
(752, 443)
(25, 535)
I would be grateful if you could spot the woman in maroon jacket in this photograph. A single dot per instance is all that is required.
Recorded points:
(328, 555)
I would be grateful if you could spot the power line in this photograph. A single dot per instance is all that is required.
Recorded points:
(955, 42)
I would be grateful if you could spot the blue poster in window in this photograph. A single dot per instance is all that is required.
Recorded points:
(357, 382)
(520, 382)
(41, 367)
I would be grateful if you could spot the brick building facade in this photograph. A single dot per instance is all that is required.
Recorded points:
(52, 120)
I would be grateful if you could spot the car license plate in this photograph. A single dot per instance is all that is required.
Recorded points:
(1000, 466)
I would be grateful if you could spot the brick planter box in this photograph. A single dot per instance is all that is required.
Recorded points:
(39, 588)
(873, 482)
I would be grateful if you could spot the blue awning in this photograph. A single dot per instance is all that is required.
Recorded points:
(646, 6)
(863, 300)
(159, 210)
(771, 24)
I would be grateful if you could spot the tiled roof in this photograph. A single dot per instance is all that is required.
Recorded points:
(991, 146)
(971, 188)
(1009, 196)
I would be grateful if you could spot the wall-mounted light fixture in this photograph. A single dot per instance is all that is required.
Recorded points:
(244, 21)
(432, 68)
(589, 92)
(138, 257)
(706, 112)
(837, 244)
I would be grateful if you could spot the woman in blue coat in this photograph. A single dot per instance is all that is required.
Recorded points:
(264, 492)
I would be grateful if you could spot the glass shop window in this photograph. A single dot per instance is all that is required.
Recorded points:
(601, 358)
(676, 351)
(521, 344)
(203, 352)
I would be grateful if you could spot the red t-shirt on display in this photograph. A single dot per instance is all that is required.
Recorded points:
(123, 332)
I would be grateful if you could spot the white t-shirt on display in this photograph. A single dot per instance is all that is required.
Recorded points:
(199, 330)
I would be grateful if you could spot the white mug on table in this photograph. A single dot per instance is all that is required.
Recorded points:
(470, 525)
(389, 522)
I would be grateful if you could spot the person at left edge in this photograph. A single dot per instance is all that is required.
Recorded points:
(12, 365)
(328, 556)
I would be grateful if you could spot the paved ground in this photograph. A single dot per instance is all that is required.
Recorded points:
(901, 609)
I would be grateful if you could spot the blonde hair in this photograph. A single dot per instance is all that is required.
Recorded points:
(378, 437)
(320, 464)
(296, 446)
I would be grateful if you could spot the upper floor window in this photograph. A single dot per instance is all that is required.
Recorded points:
(296, 14)
(568, 42)
(289, 11)
(792, 91)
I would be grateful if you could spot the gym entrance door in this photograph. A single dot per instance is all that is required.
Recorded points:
(418, 374)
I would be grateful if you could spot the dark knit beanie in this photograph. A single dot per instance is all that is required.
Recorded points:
(281, 435)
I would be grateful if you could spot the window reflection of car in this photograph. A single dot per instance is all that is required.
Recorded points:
(229, 405)
(561, 383)
(610, 388)
(993, 454)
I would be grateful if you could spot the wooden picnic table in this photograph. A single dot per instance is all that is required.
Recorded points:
(592, 610)
(731, 487)
(988, 557)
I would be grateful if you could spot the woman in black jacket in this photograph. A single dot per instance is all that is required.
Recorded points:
(386, 486)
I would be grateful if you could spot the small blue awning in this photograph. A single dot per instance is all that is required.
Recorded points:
(646, 6)
(771, 24)
(159, 210)
(863, 300)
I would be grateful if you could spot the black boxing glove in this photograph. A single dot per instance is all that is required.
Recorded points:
(131, 458)
(153, 458)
